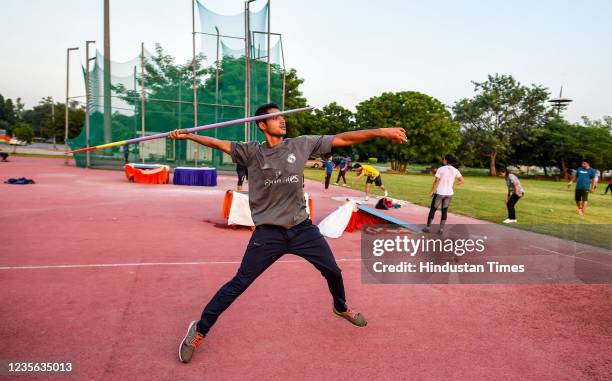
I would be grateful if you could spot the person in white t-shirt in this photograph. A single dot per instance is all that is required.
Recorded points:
(447, 178)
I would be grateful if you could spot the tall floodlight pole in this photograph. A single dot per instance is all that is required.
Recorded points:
(246, 67)
(142, 101)
(193, 65)
(180, 104)
(217, 79)
(87, 102)
(247, 64)
(53, 121)
(269, 53)
(67, 100)
(216, 156)
(135, 104)
(107, 75)
(280, 39)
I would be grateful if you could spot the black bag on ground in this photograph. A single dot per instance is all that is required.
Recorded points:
(381, 204)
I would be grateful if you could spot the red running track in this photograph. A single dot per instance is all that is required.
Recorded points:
(124, 321)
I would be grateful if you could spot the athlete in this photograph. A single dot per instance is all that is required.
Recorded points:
(372, 176)
(446, 179)
(278, 208)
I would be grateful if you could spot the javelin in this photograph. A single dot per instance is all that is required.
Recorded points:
(193, 129)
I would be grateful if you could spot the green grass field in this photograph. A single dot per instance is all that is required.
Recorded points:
(547, 207)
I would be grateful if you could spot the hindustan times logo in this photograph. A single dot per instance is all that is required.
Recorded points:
(481, 254)
(415, 246)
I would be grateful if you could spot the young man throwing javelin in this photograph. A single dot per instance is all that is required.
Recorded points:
(278, 208)
(373, 176)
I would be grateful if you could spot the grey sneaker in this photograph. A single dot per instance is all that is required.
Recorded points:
(190, 342)
(426, 229)
(355, 318)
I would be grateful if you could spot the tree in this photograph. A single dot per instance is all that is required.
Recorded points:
(19, 107)
(40, 117)
(330, 120)
(76, 119)
(595, 143)
(1, 107)
(503, 116)
(24, 132)
(9, 112)
(429, 126)
(565, 145)
(557, 144)
(605, 122)
(8, 116)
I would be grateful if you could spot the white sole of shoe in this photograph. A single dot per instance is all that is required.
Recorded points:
(185, 337)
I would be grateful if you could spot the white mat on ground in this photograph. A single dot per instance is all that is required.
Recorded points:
(333, 225)
(372, 201)
(240, 211)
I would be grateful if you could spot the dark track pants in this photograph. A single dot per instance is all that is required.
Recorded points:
(269, 243)
(511, 203)
(327, 180)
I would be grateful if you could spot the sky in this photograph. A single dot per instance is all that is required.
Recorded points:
(347, 51)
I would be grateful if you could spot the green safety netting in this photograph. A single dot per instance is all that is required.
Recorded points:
(168, 94)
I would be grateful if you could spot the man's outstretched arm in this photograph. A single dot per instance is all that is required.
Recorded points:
(397, 135)
(207, 141)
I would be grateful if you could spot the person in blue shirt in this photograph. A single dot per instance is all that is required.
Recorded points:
(584, 177)
(329, 169)
(342, 168)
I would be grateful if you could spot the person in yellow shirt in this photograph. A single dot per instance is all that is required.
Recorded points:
(373, 176)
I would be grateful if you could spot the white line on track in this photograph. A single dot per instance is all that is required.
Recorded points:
(102, 265)
(569, 255)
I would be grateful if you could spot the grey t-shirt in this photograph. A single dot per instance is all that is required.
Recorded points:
(276, 192)
(510, 181)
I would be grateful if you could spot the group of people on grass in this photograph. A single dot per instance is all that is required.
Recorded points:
(371, 174)
(448, 177)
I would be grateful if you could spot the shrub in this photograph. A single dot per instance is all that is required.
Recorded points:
(24, 132)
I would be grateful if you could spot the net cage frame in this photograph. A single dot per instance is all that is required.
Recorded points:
(141, 98)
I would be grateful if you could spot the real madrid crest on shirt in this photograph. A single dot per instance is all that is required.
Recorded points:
(291, 158)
